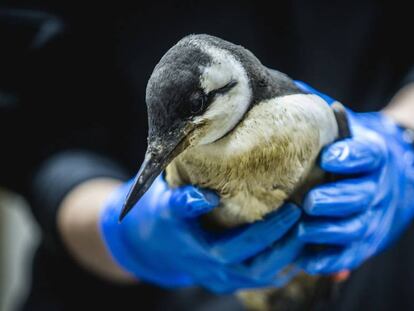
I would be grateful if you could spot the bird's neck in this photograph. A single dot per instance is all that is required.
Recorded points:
(284, 120)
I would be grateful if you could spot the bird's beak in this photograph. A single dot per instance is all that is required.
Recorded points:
(160, 153)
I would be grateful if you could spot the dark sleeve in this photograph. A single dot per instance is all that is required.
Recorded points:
(56, 177)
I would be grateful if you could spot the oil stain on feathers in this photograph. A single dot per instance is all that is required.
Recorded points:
(219, 119)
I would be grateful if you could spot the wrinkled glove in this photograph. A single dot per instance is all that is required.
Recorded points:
(359, 216)
(161, 241)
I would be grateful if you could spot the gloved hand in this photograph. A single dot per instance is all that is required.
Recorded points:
(361, 215)
(161, 241)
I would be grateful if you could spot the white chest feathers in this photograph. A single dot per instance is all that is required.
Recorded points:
(261, 162)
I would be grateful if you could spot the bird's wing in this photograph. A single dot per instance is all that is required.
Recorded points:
(338, 109)
(342, 119)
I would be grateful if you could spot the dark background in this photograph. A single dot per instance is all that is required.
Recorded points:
(90, 75)
(73, 76)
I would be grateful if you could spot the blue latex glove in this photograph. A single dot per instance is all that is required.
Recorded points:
(161, 241)
(361, 215)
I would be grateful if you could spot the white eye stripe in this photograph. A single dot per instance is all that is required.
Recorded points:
(227, 87)
(224, 89)
(226, 110)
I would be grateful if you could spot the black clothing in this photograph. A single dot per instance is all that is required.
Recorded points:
(72, 89)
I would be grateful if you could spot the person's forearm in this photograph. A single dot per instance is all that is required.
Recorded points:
(78, 226)
(401, 107)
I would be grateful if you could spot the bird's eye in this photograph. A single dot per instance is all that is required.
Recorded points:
(224, 89)
(198, 103)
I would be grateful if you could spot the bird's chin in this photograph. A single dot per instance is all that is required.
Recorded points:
(206, 140)
(202, 135)
(210, 134)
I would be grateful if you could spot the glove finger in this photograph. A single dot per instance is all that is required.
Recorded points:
(262, 271)
(273, 267)
(191, 202)
(285, 276)
(241, 277)
(337, 259)
(335, 232)
(227, 278)
(340, 199)
(331, 261)
(231, 286)
(248, 241)
(271, 262)
(351, 156)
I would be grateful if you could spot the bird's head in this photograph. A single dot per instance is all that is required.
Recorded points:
(197, 93)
